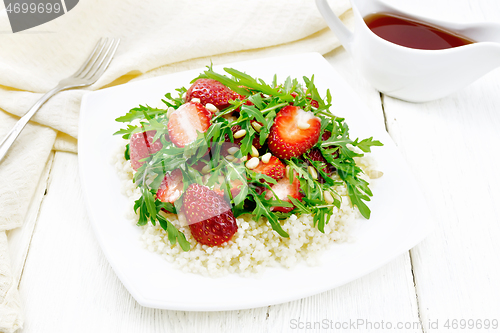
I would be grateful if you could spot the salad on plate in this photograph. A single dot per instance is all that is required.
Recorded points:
(235, 174)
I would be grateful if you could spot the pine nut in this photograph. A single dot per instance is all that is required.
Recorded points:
(312, 172)
(256, 126)
(252, 163)
(230, 158)
(255, 152)
(161, 105)
(374, 174)
(266, 158)
(233, 150)
(212, 108)
(206, 169)
(328, 197)
(195, 100)
(243, 159)
(303, 125)
(170, 110)
(241, 133)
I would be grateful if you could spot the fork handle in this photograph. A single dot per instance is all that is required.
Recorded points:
(9, 139)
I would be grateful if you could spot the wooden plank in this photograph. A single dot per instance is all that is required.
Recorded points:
(451, 145)
(387, 294)
(68, 286)
(67, 273)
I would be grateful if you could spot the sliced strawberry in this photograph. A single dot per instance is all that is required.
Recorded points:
(171, 187)
(185, 123)
(141, 146)
(314, 103)
(286, 139)
(257, 188)
(315, 155)
(209, 216)
(274, 169)
(234, 187)
(283, 189)
(236, 128)
(211, 91)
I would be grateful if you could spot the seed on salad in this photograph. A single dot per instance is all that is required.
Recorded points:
(255, 152)
(266, 158)
(252, 163)
(241, 133)
(374, 174)
(303, 125)
(206, 169)
(210, 107)
(328, 197)
(161, 105)
(312, 172)
(205, 178)
(230, 158)
(169, 111)
(243, 159)
(195, 100)
(256, 126)
(233, 150)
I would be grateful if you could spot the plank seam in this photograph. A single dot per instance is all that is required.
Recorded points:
(383, 112)
(416, 293)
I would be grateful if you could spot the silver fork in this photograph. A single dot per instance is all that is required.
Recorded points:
(88, 74)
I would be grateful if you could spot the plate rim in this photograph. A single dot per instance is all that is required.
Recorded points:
(186, 306)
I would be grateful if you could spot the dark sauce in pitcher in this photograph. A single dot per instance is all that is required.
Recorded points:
(412, 33)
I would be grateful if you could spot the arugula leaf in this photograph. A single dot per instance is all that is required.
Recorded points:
(142, 112)
(257, 102)
(366, 144)
(127, 152)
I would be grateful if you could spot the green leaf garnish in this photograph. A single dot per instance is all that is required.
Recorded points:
(257, 102)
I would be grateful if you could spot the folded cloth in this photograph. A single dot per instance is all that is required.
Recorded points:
(10, 314)
(158, 37)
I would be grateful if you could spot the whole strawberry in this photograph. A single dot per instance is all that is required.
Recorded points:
(211, 91)
(209, 216)
(294, 132)
(141, 146)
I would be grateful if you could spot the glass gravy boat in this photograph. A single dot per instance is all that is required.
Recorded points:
(409, 74)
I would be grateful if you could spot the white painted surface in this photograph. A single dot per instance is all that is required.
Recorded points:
(379, 240)
(452, 147)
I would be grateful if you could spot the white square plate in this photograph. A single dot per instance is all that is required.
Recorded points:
(399, 214)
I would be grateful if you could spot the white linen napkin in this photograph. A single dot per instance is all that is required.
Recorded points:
(158, 37)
